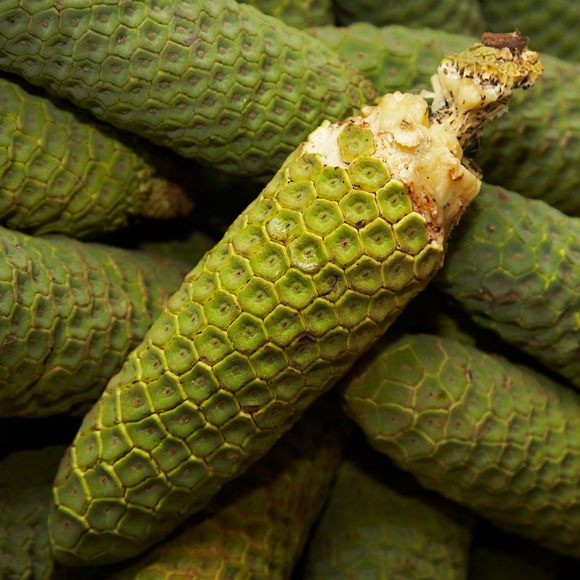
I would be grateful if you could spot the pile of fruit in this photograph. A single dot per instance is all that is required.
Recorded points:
(289, 289)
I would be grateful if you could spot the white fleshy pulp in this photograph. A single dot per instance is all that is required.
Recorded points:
(425, 155)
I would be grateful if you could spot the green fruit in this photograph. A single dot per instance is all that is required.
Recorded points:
(552, 26)
(25, 482)
(297, 13)
(370, 530)
(257, 527)
(62, 172)
(215, 81)
(70, 312)
(392, 57)
(534, 150)
(265, 323)
(273, 315)
(498, 438)
(515, 267)
(452, 15)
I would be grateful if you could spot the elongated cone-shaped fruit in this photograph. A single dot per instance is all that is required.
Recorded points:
(25, 483)
(215, 81)
(297, 13)
(371, 530)
(257, 527)
(309, 275)
(452, 15)
(535, 150)
(499, 438)
(63, 172)
(70, 312)
(515, 267)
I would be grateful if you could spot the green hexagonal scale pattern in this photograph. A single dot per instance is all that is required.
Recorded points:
(257, 527)
(61, 171)
(70, 313)
(499, 438)
(371, 530)
(326, 305)
(516, 271)
(215, 81)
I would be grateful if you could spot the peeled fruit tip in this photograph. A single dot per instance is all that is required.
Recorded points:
(474, 86)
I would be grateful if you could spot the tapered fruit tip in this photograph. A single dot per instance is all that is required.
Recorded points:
(422, 145)
(166, 201)
(474, 86)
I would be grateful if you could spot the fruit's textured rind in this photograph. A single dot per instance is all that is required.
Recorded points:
(70, 312)
(552, 26)
(501, 439)
(462, 16)
(297, 13)
(392, 57)
(215, 81)
(63, 172)
(349, 230)
(306, 278)
(369, 530)
(25, 484)
(514, 265)
(535, 149)
(257, 527)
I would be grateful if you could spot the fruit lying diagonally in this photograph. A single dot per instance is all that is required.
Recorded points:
(25, 480)
(62, 172)
(534, 150)
(216, 81)
(309, 275)
(297, 13)
(370, 530)
(70, 312)
(257, 527)
(515, 267)
(501, 439)
(452, 15)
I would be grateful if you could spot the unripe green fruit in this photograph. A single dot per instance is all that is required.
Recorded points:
(215, 81)
(267, 321)
(515, 268)
(462, 16)
(247, 343)
(371, 530)
(535, 150)
(63, 172)
(70, 312)
(258, 525)
(25, 481)
(498, 438)
(297, 13)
